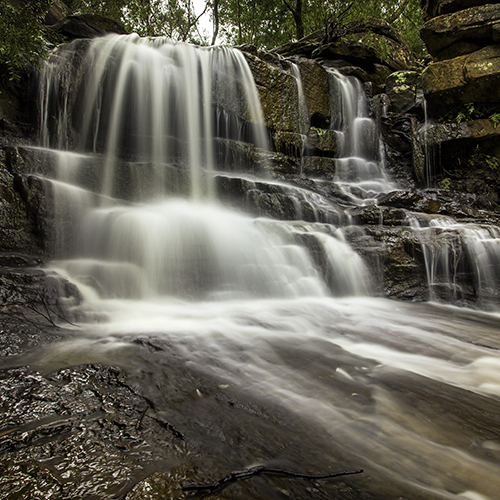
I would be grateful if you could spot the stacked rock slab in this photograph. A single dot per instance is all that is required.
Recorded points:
(464, 39)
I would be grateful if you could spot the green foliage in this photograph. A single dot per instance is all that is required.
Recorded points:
(264, 23)
(270, 23)
(319, 131)
(470, 111)
(479, 158)
(445, 183)
(495, 118)
(174, 19)
(23, 36)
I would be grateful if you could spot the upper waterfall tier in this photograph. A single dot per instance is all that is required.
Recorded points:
(133, 125)
(149, 101)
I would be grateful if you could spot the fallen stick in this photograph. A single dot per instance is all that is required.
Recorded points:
(260, 469)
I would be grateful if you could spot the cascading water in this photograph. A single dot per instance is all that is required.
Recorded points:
(144, 120)
(227, 322)
(462, 260)
(360, 168)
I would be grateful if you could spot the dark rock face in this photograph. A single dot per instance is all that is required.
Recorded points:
(23, 226)
(434, 8)
(370, 50)
(88, 26)
(476, 24)
(470, 78)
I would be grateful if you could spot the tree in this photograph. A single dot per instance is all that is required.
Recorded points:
(23, 35)
(269, 23)
(175, 19)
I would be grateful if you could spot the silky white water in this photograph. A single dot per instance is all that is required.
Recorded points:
(360, 167)
(277, 312)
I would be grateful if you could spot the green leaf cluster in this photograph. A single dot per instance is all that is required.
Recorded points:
(270, 23)
(479, 158)
(23, 36)
(471, 111)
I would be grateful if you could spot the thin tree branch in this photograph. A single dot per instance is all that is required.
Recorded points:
(260, 469)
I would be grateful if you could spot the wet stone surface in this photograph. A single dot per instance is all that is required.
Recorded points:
(78, 433)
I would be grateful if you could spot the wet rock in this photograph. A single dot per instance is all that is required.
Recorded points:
(439, 133)
(290, 143)
(76, 433)
(323, 140)
(404, 158)
(373, 73)
(401, 88)
(470, 78)
(162, 485)
(315, 83)
(318, 167)
(410, 200)
(22, 213)
(278, 95)
(473, 24)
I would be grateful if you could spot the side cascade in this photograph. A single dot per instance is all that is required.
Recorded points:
(360, 170)
(136, 126)
(462, 261)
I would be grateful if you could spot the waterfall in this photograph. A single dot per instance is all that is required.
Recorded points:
(360, 167)
(136, 209)
(241, 339)
(461, 260)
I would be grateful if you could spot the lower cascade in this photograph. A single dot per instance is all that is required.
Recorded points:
(245, 306)
(149, 116)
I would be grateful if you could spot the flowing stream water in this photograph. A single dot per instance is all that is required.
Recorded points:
(408, 392)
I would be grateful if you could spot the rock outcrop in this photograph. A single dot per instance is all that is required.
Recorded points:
(87, 26)
(370, 50)
(466, 45)
(462, 90)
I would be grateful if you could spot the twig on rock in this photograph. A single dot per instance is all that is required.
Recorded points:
(260, 469)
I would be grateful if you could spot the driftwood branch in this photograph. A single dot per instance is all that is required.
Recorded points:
(260, 469)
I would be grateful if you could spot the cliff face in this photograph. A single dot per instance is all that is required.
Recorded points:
(301, 112)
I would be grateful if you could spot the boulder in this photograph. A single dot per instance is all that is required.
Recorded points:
(316, 86)
(88, 26)
(278, 95)
(434, 8)
(401, 88)
(478, 25)
(57, 12)
(371, 49)
(470, 78)
(439, 133)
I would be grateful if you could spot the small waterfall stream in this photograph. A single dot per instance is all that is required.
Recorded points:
(261, 313)
(360, 168)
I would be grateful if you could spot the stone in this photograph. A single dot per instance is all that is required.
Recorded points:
(315, 83)
(323, 140)
(88, 26)
(371, 50)
(57, 12)
(278, 95)
(401, 87)
(473, 24)
(434, 8)
(439, 133)
(470, 78)
(21, 213)
(461, 48)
